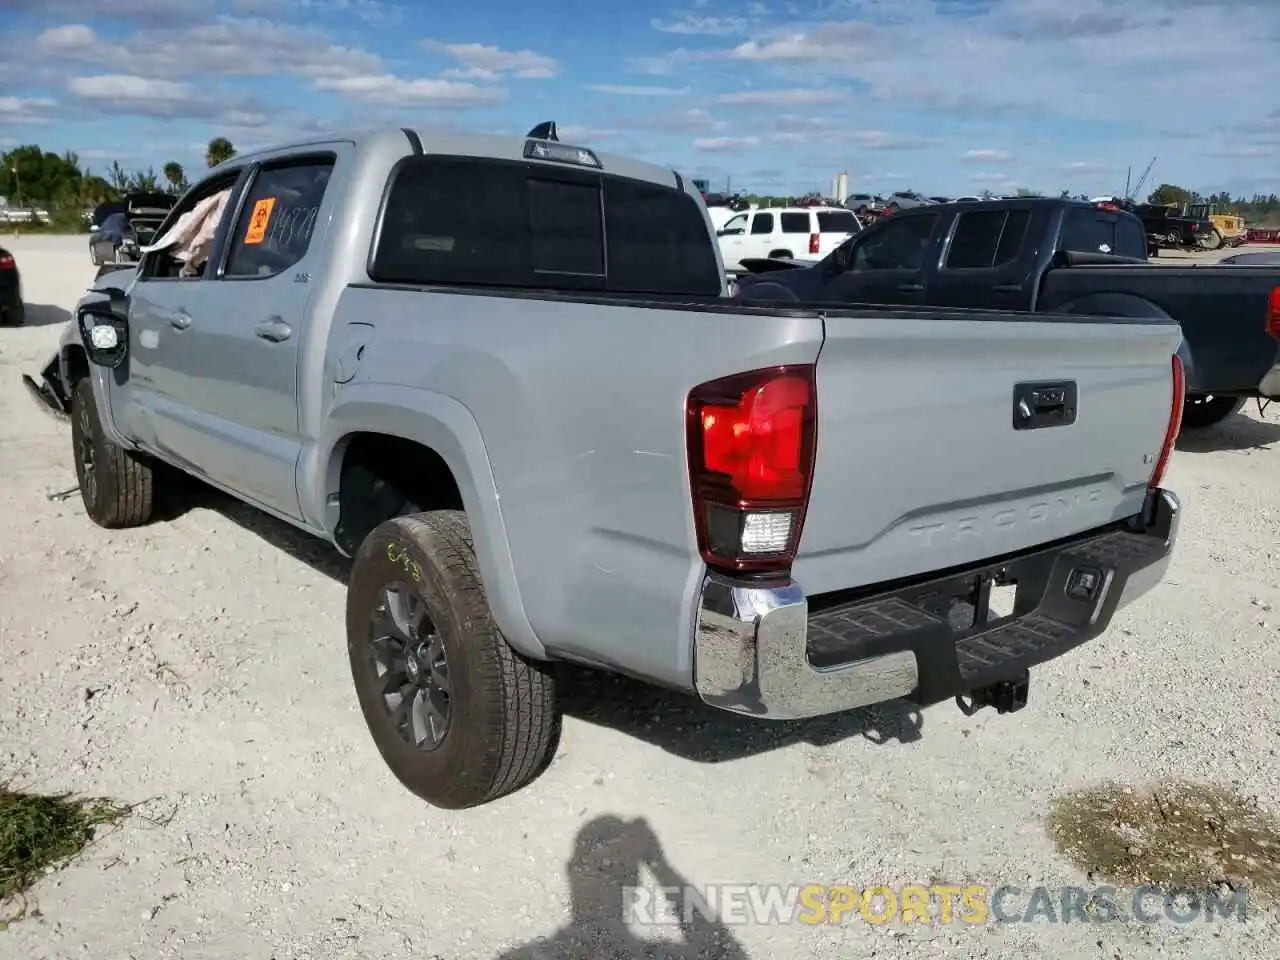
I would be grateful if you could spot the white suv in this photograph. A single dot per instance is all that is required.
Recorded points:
(794, 233)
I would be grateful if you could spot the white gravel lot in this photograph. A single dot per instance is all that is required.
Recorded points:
(199, 663)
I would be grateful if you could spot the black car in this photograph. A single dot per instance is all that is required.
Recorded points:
(11, 309)
(122, 226)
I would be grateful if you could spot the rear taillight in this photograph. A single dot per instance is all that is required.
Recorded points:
(6, 262)
(1273, 313)
(1195, 228)
(752, 439)
(1175, 424)
(813, 243)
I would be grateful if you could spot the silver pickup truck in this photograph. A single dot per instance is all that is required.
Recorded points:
(503, 374)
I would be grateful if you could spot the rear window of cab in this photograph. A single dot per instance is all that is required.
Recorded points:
(500, 223)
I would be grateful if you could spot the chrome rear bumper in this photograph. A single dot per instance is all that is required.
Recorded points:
(760, 652)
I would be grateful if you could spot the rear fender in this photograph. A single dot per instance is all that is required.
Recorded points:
(446, 426)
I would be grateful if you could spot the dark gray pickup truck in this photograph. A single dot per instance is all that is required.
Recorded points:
(1056, 256)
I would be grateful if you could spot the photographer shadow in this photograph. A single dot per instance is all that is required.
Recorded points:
(604, 877)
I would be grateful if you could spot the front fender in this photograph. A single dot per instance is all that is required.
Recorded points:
(447, 427)
(73, 365)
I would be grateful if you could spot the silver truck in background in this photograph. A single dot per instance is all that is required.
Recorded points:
(502, 374)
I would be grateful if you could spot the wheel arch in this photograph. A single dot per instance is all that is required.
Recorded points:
(433, 429)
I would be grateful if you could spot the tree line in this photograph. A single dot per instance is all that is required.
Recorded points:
(66, 188)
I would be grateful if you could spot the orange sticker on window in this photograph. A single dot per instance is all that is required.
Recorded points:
(257, 231)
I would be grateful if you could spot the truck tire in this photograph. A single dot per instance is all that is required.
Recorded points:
(781, 255)
(1213, 241)
(115, 484)
(459, 716)
(1204, 410)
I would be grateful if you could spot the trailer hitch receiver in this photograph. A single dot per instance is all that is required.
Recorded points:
(1006, 696)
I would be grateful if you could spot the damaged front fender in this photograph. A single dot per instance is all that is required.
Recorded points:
(50, 392)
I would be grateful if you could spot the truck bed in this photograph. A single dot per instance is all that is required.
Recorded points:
(580, 401)
(1222, 311)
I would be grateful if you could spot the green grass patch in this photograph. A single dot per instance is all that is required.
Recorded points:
(39, 832)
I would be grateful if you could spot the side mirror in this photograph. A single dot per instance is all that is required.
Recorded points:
(734, 232)
(104, 329)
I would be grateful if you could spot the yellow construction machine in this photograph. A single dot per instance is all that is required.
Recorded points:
(1230, 226)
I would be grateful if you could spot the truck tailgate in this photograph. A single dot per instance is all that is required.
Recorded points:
(919, 467)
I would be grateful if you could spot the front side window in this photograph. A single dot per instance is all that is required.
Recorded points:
(189, 259)
(901, 244)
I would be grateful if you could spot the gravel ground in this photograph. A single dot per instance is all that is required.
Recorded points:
(199, 665)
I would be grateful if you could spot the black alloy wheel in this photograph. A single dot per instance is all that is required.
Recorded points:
(410, 667)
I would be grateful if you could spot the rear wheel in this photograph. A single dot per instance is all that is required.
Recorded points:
(458, 715)
(781, 255)
(1205, 410)
(115, 484)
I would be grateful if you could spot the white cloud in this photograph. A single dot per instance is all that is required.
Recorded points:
(723, 144)
(118, 86)
(625, 90)
(227, 47)
(781, 97)
(986, 156)
(492, 62)
(1093, 59)
(16, 110)
(694, 25)
(389, 89)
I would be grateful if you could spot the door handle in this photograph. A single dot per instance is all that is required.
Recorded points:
(910, 287)
(180, 320)
(275, 330)
(1007, 288)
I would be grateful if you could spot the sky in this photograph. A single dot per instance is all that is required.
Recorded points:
(770, 96)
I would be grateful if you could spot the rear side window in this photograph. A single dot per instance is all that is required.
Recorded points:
(795, 223)
(453, 220)
(762, 223)
(1131, 238)
(1086, 231)
(657, 241)
(277, 218)
(837, 223)
(986, 239)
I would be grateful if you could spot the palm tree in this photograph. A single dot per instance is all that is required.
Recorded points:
(176, 176)
(117, 177)
(220, 150)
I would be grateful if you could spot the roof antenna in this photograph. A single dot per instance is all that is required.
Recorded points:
(544, 131)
